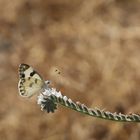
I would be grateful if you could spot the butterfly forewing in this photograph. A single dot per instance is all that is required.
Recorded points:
(30, 81)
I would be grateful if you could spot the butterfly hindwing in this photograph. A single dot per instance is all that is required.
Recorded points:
(30, 81)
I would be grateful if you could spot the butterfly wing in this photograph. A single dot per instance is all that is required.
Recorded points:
(30, 81)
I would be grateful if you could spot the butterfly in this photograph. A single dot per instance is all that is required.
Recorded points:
(30, 83)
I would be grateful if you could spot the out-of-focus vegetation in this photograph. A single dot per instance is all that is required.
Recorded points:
(95, 45)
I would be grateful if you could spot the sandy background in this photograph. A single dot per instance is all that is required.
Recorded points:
(95, 45)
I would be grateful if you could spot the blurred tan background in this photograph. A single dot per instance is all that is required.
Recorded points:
(95, 45)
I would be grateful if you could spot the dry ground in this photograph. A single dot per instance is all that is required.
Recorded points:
(95, 45)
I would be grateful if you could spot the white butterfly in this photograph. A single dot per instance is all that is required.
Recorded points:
(30, 81)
